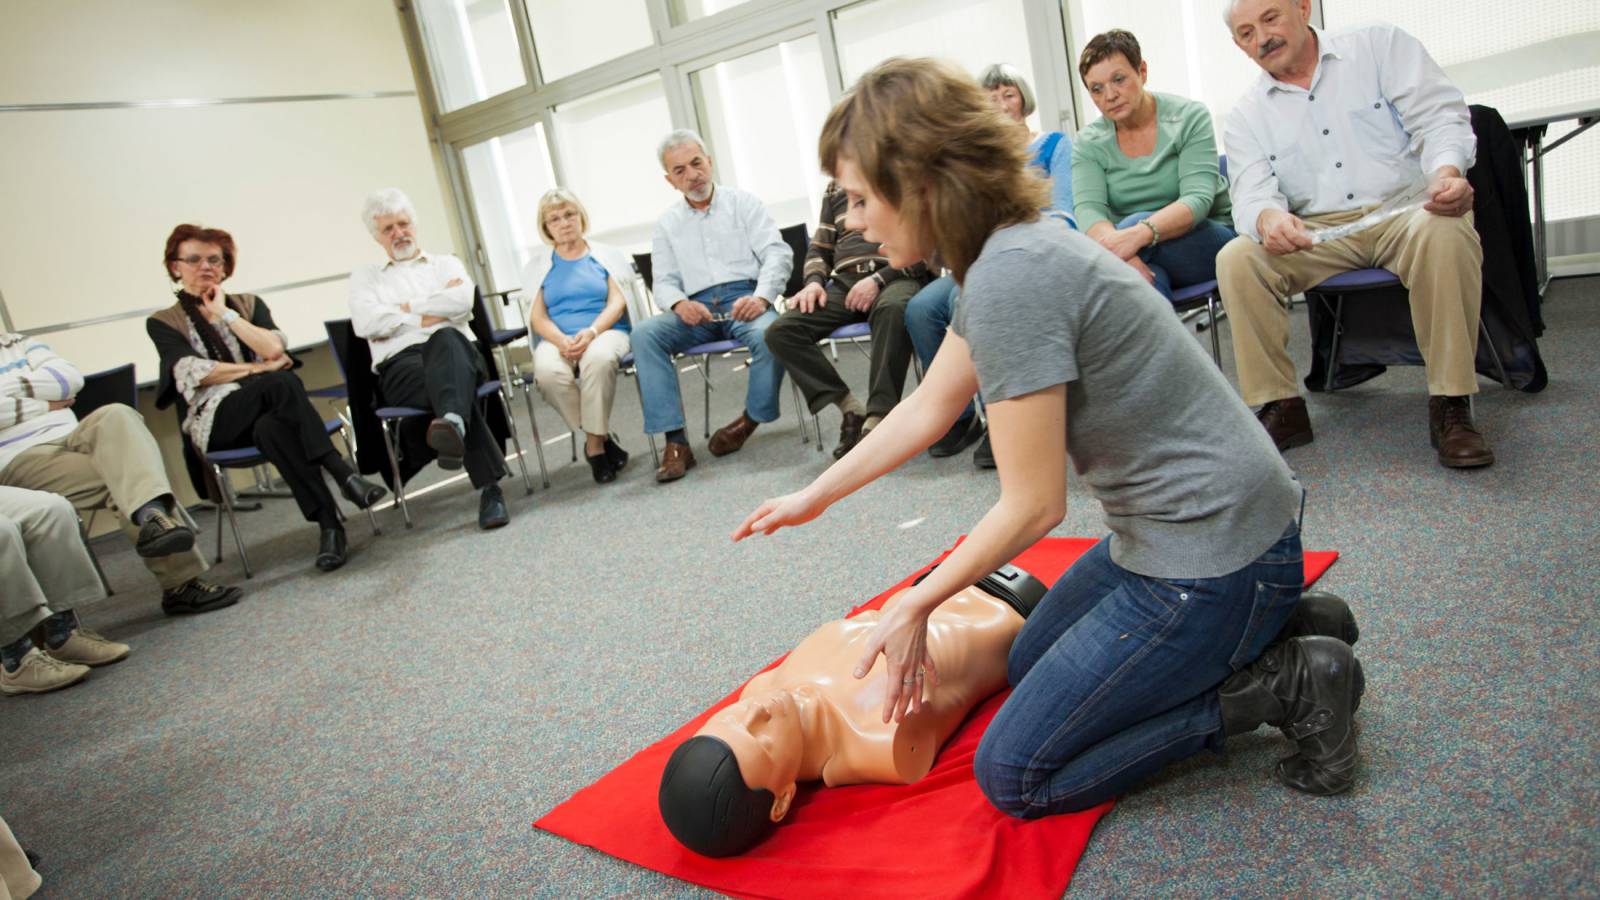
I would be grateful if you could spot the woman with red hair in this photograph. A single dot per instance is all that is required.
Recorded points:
(226, 364)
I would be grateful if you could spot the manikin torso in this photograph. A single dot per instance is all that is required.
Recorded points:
(845, 738)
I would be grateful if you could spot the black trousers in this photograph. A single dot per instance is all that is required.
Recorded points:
(442, 376)
(793, 340)
(272, 413)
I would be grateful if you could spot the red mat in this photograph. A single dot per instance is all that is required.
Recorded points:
(936, 838)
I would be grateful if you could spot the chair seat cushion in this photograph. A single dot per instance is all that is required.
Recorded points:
(1193, 292)
(713, 347)
(853, 330)
(1359, 278)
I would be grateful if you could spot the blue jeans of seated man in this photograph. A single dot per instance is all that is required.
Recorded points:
(1190, 258)
(1115, 675)
(928, 316)
(657, 338)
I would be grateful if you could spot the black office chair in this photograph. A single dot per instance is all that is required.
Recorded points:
(118, 385)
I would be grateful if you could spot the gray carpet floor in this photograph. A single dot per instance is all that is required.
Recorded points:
(394, 728)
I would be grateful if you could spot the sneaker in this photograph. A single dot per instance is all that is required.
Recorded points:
(161, 536)
(38, 673)
(86, 648)
(197, 596)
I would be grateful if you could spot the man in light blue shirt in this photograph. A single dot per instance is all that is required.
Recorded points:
(717, 264)
(1337, 123)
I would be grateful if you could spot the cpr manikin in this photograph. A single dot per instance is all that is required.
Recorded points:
(810, 719)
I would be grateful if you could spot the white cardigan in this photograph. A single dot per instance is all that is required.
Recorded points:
(616, 263)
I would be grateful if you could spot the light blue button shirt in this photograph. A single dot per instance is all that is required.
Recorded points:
(1380, 114)
(733, 239)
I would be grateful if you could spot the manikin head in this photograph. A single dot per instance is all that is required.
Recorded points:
(687, 166)
(199, 258)
(1275, 33)
(391, 219)
(726, 788)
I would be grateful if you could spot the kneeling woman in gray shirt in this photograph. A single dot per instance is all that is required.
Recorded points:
(1183, 626)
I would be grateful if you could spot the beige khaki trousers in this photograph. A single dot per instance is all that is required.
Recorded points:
(18, 880)
(110, 461)
(44, 565)
(582, 392)
(1438, 258)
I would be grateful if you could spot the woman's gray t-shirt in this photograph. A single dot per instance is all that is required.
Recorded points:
(1191, 484)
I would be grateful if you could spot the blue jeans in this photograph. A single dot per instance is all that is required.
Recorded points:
(1115, 675)
(657, 338)
(1190, 258)
(928, 316)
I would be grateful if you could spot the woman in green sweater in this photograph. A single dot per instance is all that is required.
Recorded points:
(1145, 180)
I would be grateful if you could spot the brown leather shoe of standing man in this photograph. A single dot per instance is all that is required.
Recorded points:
(732, 436)
(676, 462)
(1453, 434)
(1287, 421)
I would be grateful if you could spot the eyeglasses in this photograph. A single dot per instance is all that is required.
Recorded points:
(214, 262)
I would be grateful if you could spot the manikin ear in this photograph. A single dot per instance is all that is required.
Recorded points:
(780, 806)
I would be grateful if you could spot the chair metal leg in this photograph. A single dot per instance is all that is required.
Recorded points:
(394, 467)
(655, 454)
(705, 373)
(572, 441)
(349, 448)
(227, 508)
(1333, 348)
(83, 532)
(516, 442)
(1211, 324)
(533, 425)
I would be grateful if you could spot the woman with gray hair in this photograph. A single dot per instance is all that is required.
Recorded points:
(1050, 152)
(580, 318)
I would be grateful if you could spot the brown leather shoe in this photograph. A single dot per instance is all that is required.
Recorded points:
(849, 434)
(675, 462)
(732, 436)
(1287, 422)
(1452, 433)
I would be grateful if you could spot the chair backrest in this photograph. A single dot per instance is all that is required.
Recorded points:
(641, 261)
(799, 241)
(340, 339)
(117, 385)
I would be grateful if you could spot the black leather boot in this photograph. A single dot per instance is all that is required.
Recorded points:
(1309, 687)
(1321, 613)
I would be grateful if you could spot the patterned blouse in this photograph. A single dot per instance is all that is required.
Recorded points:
(205, 399)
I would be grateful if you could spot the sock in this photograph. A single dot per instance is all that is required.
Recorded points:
(59, 627)
(11, 654)
(849, 404)
(335, 465)
(871, 423)
(453, 419)
(676, 436)
(158, 505)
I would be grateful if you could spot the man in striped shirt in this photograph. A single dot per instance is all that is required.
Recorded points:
(847, 280)
(109, 460)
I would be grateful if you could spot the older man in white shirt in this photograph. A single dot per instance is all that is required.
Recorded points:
(718, 263)
(1336, 124)
(413, 310)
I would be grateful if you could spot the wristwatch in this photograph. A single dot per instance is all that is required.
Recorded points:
(228, 315)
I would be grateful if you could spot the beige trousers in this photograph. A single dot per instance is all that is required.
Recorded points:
(18, 880)
(43, 562)
(110, 461)
(1437, 257)
(582, 392)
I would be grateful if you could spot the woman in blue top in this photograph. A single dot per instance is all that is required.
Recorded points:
(580, 317)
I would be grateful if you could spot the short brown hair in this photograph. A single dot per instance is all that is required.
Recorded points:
(930, 141)
(1102, 47)
(198, 233)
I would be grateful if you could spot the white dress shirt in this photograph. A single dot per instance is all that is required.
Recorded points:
(733, 239)
(1380, 113)
(377, 292)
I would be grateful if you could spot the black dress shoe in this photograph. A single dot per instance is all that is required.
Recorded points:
(1287, 422)
(617, 455)
(960, 436)
(1309, 687)
(849, 434)
(362, 492)
(983, 457)
(334, 551)
(447, 442)
(492, 508)
(600, 465)
(198, 596)
(161, 536)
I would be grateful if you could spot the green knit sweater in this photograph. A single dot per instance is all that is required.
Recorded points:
(1108, 185)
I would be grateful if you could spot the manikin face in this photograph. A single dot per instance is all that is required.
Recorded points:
(765, 735)
(877, 219)
(564, 224)
(205, 272)
(398, 236)
(1274, 33)
(1009, 99)
(1116, 88)
(689, 171)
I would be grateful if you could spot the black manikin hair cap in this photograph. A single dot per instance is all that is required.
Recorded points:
(1011, 584)
(706, 804)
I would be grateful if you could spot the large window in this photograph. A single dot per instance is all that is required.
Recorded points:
(689, 10)
(762, 113)
(972, 33)
(608, 151)
(572, 35)
(472, 49)
(507, 175)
